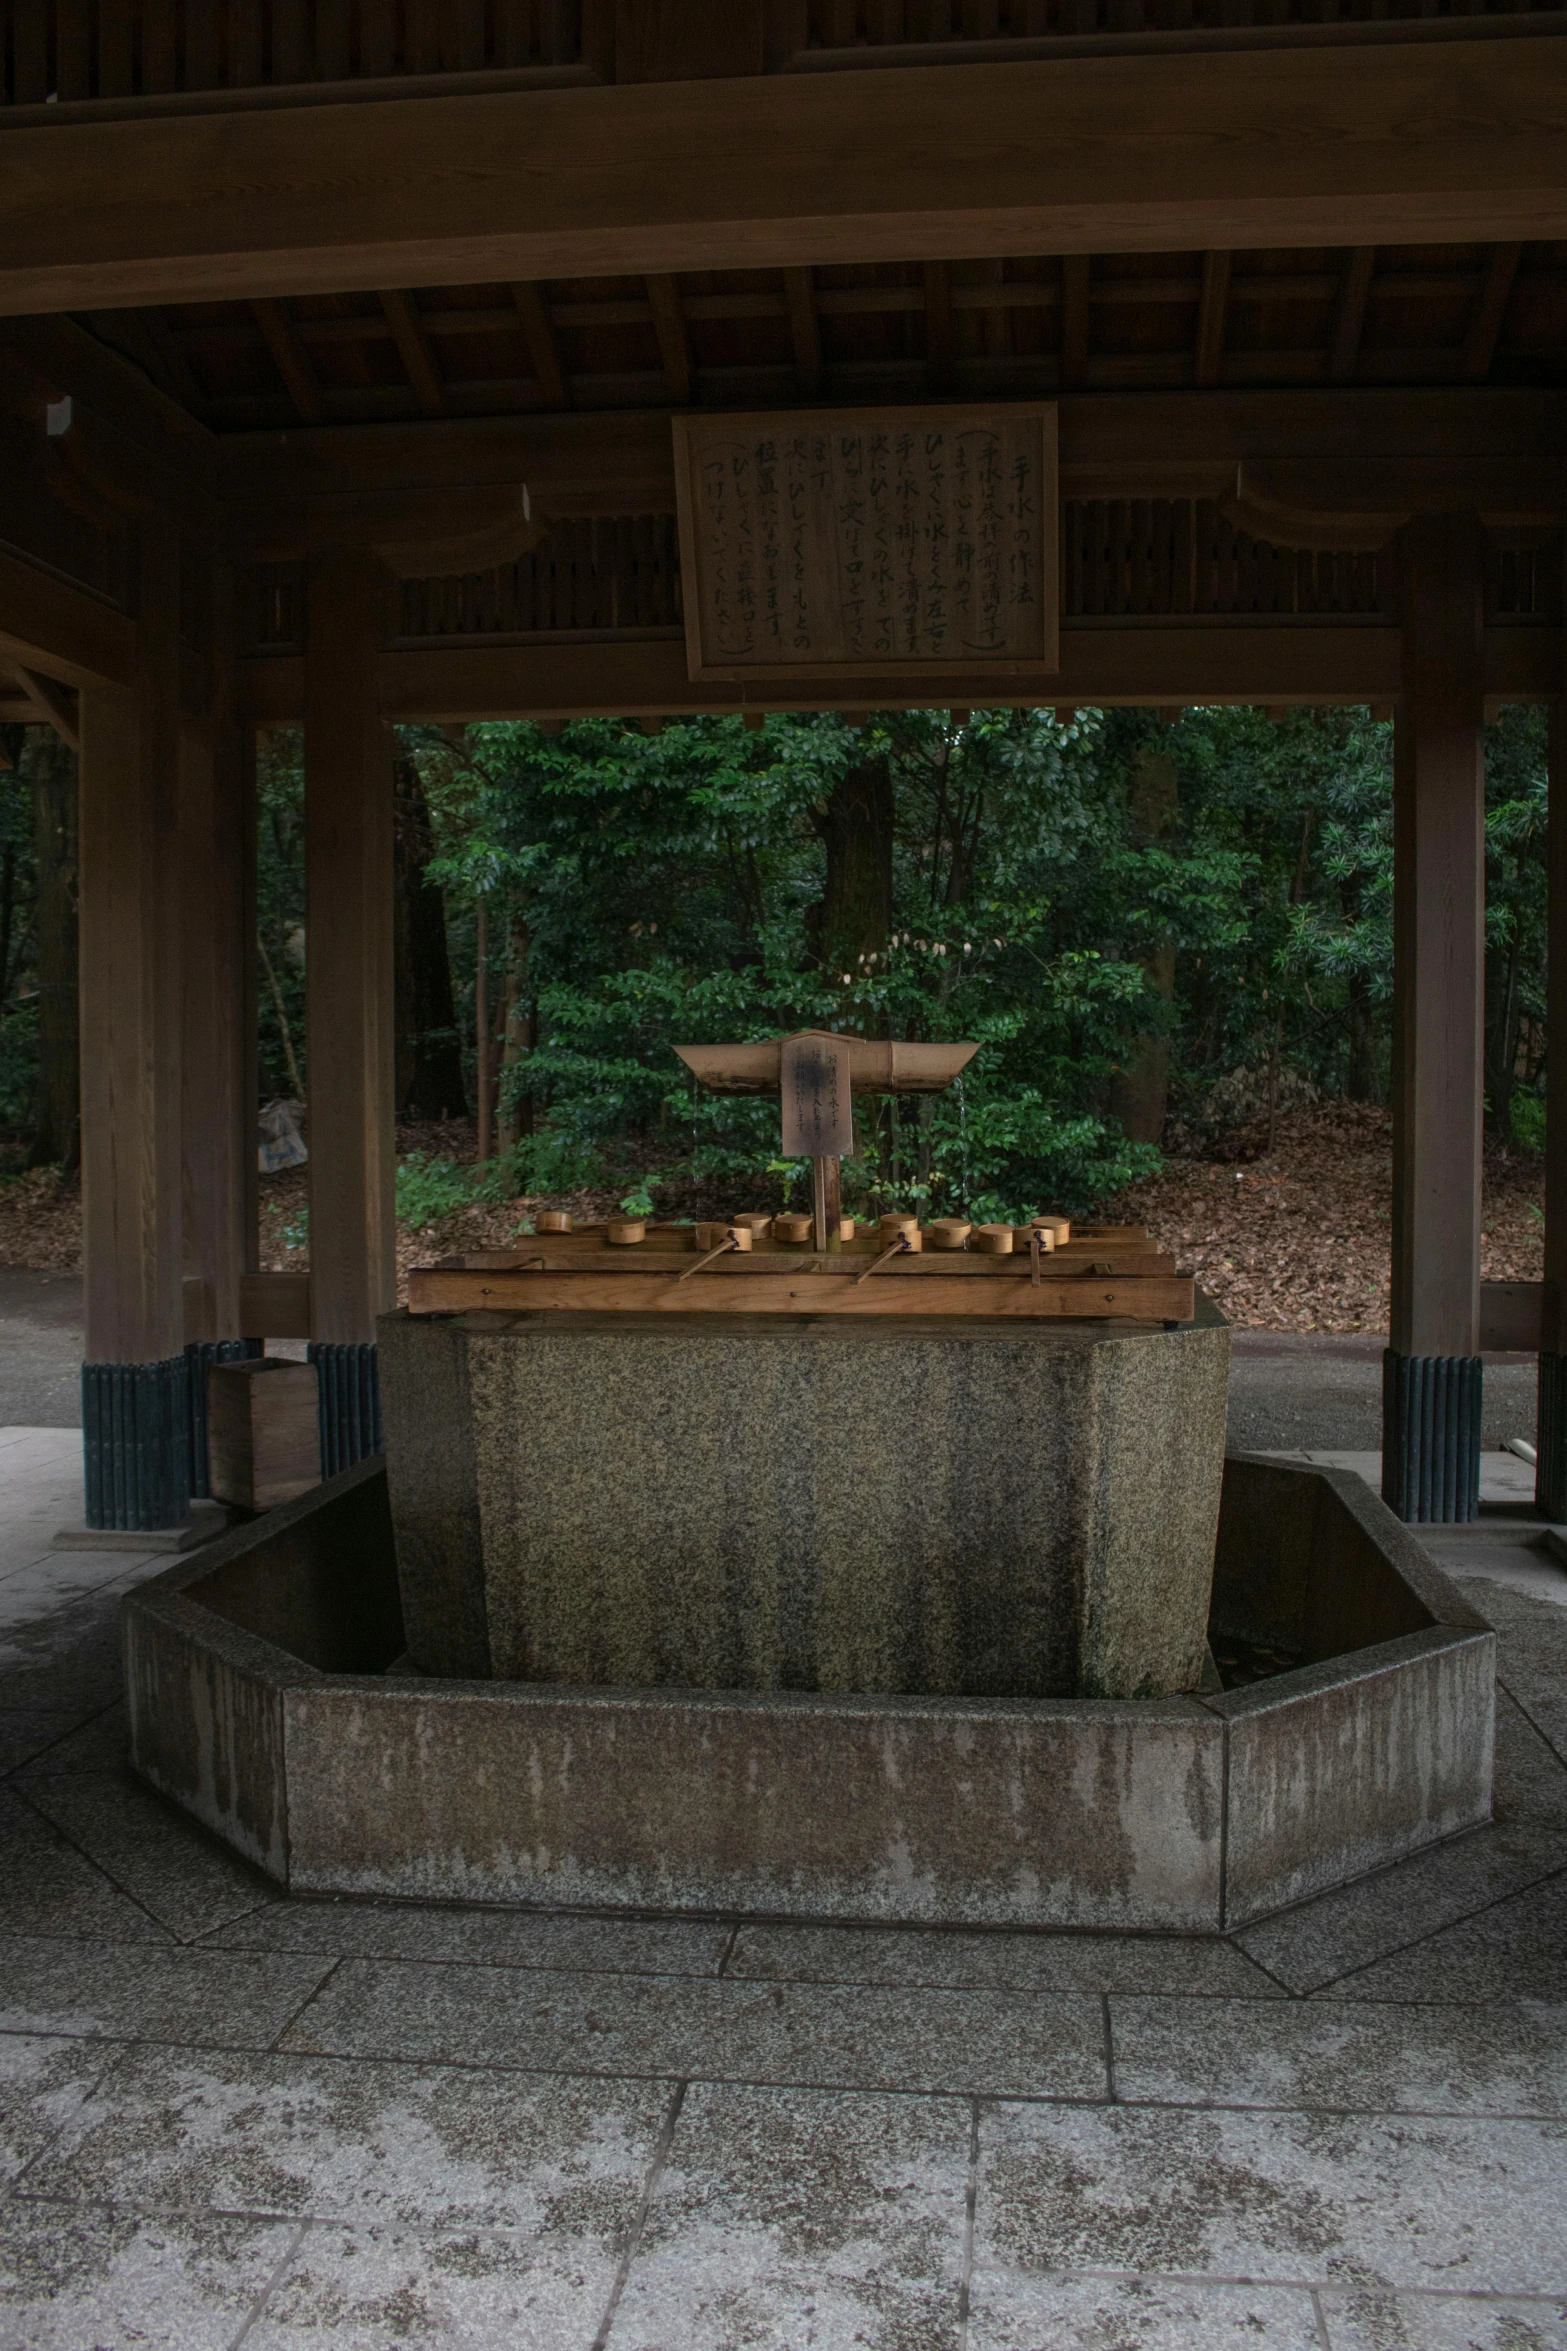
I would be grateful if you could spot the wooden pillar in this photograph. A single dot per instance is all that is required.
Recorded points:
(217, 860)
(349, 1071)
(134, 1385)
(1432, 1372)
(1550, 1486)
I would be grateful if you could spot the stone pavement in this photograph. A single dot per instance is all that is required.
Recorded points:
(228, 2118)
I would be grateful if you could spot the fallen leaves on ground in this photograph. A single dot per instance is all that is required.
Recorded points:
(1295, 1237)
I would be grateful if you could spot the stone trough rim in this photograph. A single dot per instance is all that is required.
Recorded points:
(1455, 1631)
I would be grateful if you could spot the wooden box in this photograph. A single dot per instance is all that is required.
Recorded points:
(263, 1437)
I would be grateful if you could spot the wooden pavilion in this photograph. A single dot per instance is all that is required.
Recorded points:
(339, 343)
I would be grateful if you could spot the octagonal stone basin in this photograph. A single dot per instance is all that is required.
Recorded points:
(261, 1701)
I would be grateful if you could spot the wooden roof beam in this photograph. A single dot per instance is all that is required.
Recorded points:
(800, 294)
(1211, 308)
(50, 703)
(674, 341)
(288, 357)
(1490, 308)
(413, 346)
(1075, 299)
(1349, 316)
(1457, 140)
(938, 325)
(538, 333)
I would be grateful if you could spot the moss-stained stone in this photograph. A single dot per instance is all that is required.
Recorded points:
(982, 1510)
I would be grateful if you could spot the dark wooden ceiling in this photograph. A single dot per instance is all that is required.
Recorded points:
(1428, 314)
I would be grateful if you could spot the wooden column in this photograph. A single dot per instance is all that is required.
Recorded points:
(217, 860)
(349, 1072)
(1550, 1484)
(134, 1384)
(1432, 1377)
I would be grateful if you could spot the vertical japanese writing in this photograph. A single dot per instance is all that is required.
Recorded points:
(901, 538)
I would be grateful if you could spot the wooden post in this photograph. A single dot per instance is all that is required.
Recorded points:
(217, 864)
(1550, 1487)
(350, 1037)
(134, 1383)
(1432, 1371)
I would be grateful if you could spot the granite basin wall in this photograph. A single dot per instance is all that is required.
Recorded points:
(336, 1776)
(927, 1508)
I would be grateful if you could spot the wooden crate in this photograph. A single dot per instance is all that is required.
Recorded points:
(263, 1437)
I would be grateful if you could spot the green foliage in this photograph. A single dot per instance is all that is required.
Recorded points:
(429, 1188)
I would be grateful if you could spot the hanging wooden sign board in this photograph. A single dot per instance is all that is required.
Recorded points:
(870, 541)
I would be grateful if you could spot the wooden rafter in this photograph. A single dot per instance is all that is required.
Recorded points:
(413, 346)
(292, 365)
(800, 294)
(1349, 316)
(1211, 310)
(1490, 308)
(674, 342)
(543, 347)
(1074, 320)
(938, 325)
(53, 705)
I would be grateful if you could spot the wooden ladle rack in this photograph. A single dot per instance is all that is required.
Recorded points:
(753, 1266)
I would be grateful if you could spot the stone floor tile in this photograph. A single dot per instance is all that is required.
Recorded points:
(791, 2218)
(1372, 2321)
(377, 2290)
(1531, 1653)
(84, 2280)
(1340, 1933)
(142, 1991)
(102, 1743)
(1513, 1950)
(876, 2037)
(48, 1888)
(399, 2146)
(871, 2037)
(43, 2082)
(188, 1880)
(1014, 1962)
(1343, 2055)
(1012, 2311)
(496, 1938)
(1294, 2199)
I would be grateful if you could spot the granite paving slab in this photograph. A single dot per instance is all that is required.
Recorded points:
(48, 1888)
(188, 1880)
(122, 1990)
(1340, 2055)
(1443, 2322)
(1290, 2199)
(43, 2082)
(867, 2037)
(366, 2289)
(786, 2218)
(400, 2146)
(1010, 2310)
(1531, 1653)
(494, 1938)
(84, 2280)
(1012, 1962)
(101, 1743)
(1511, 1950)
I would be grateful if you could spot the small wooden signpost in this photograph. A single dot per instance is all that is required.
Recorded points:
(816, 1073)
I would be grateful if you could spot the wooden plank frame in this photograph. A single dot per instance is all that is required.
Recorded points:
(1029, 541)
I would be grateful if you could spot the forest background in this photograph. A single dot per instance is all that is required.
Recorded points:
(1172, 941)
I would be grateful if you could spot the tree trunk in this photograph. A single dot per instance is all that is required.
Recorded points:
(58, 1108)
(854, 921)
(1361, 1080)
(515, 1112)
(1140, 1088)
(429, 1051)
